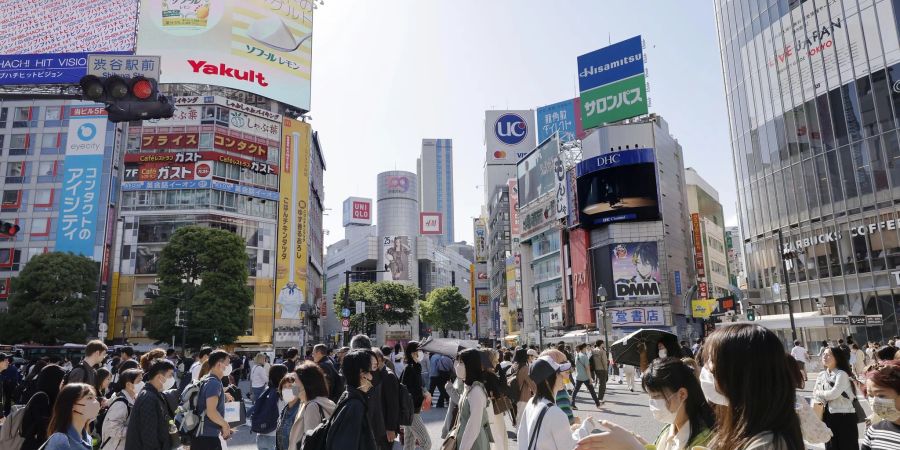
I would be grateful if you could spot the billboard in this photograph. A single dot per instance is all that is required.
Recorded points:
(483, 298)
(431, 223)
(579, 241)
(395, 253)
(200, 170)
(257, 46)
(698, 246)
(480, 241)
(292, 247)
(617, 186)
(635, 270)
(514, 228)
(205, 156)
(640, 316)
(537, 216)
(357, 211)
(563, 117)
(508, 135)
(79, 219)
(611, 83)
(536, 172)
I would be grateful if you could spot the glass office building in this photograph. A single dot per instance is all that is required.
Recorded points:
(813, 92)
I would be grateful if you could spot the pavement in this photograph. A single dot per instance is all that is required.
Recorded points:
(628, 409)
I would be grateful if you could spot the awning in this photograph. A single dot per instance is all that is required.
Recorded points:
(513, 337)
(812, 319)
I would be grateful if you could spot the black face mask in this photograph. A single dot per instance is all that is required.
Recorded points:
(376, 377)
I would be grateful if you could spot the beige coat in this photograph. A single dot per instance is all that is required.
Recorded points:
(309, 417)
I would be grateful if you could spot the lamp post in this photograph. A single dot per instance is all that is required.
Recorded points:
(126, 313)
(601, 309)
(787, 285)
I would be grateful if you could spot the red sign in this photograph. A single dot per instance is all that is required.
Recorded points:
(702, 291)
(243, 146)
(203, 170)
(169, 141)
(431, 223)
(361, 210)
(159, 172)
(578, 251)
(190, 157)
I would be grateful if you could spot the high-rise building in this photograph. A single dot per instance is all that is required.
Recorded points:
(812, 98)
(737, 276)
(435, 171)
(710, 256)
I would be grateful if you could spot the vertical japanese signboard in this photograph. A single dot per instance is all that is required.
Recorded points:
(699, 264)
(80, 200)
(292, 247)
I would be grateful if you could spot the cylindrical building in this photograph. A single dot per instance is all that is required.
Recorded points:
(813, 90)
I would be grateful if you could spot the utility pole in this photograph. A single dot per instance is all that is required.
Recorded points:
(540, 321)
(787, 285)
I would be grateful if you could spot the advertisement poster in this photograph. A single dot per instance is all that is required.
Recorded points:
(480, 241)
(292, 247)
(431, 223)
(537, 216)
(643, 316)
(396, 252)
(483, 297)
(79, 204)
(514, 228)
(258, 46)
(579, 241)
(611, 83)
(635, 268)
(512, 283)
(536, 172)
(563, 117)
(618, 186)
(508, 135)
(188, 159)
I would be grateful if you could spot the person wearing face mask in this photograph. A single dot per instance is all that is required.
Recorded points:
(350, 429)
(311, 389)
(115, 424)
(148, 425)
(472, 427)
(883, 392)
(211, 405)
(583, 373)
(76, 406)
(288, 412)
(412, 379)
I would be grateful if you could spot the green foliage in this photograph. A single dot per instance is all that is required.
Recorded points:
(203, 271)
(401, 298)
(445, 309)
(51, 301)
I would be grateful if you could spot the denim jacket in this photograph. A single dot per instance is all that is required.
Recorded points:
(70, 440)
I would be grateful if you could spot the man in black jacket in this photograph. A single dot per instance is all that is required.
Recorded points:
(332, 377)
(148, 424)
(387, 409)
(84, 372)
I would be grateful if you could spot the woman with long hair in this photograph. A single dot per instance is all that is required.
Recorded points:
(311, 389)
(473, 430)
(835, 391)
(412, 379)
(115, 423)
(521, 380)
(288, 413)
(36, 416)
(76, 406)
(542, 425)
(101, 385)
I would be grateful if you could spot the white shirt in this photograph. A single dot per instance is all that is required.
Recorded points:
(799, 353)
(195, 371)
(554, 434)
(259, 376)
(675, 441)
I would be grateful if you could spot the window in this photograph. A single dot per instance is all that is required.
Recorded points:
(11, 199)
(15, 169)
(40, 227)
(53, 113)
(43, 198)
(47, 171)
(21, 116)
(18, 142)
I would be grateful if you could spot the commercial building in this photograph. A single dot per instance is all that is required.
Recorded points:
(499, 252)
(737, 276)
(708, 228)
(812, 98)
(435, 172)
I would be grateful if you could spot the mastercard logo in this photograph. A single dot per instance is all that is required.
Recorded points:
(499, 154)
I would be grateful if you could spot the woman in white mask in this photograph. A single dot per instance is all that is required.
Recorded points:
(115, 424)
(472, 428)
(412, 379)
(310, 389)
(76, 406)
(883, 392)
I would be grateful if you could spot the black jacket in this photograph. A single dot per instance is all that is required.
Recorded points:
(412, 378)
(383, 406)
(335, 382)
(148, 424)
(350, 429)
(83, 373)
(35, 420)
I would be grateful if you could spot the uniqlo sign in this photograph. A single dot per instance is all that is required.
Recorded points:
(361, 210)
(357, 211)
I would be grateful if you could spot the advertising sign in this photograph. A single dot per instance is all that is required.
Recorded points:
(106, 65)
(44, 68)
(579, 241)
(514, 229)
(613, 102)
(431, 223)
(79, 212)
(480, 241)
(258, 46)
(639, 316)
(508, 135)
(395, 253)
(357, 211)
(635, 268)
(397, 184)
(67, 26)
(537, 216)
(702, 289)
(512, 290)
(170, 141)
(573, 219)
(563, 117)
(536, 172)
(291, 247)
(618, 186)
(609, 64)
(703, 308)
(611, 82)
(193, 157)
(242, 146)
(698, 247)
(200, 184)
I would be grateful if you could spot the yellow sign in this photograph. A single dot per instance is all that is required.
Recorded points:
(702, 309)
(291, 259)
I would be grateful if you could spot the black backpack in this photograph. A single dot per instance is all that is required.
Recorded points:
(317, 438)
(102, 417)
(264, 416)
(406, 406)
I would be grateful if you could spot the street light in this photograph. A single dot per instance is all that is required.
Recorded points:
(601, 308)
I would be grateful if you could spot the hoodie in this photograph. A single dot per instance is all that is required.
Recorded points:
(309, 417)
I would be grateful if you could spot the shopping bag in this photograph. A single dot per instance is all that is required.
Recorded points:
(235, 413)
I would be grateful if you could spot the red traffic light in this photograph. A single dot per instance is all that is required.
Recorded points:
(9, 229)
(141, 88)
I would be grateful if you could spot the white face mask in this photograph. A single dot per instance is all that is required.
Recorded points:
(227, 370)
(661, 412)
(169, 384)
(460, 369)
(708, 384)
(288, 395)
(663, 353)
(138, 387)
(885, 408)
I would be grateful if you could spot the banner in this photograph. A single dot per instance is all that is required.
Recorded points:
(614, 102)
(635, 269)
(170, 141)
(188, 158)
(536, 172)
(611, 83)
(563, 117)
(480, 241)
(483, 297)
(292, 247)
(396, 252)
(703, 308)
(579, 241)
(640, 316)
(243, 146)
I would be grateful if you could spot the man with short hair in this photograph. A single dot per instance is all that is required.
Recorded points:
(5, 397)
(203, 357)
(290, 358)
(148, 422)
(801, 356)
(601, 368)
(384, 412)
(332, 377)
(211, 404)
(84, 372)
(125, 354)
(686, 351)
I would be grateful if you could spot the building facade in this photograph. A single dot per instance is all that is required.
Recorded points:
(498, 253)
(814, 115)
(435, 171)
(737, 276)
(709, 219)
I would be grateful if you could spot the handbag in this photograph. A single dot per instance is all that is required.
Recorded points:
(857, 407)
(501, 404)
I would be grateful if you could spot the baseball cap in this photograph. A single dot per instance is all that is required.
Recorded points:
(544, 367)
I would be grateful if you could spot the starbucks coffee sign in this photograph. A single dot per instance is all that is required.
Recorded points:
(861, 230)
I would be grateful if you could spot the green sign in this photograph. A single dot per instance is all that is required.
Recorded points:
(614, 101)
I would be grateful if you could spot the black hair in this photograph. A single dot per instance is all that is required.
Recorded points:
(63, 408)
(471, 359)
(102, 375)
(205, 351)
(521, 357)
(127, 351)
(360, 342)
(544, 389)
(411, 347)
(158, 366)
(216, 357)
(320, 348)
(292, 353)
(130, 364)
(355, 363)
(128, 376)
(886, 353)
(646, 253)
(842, 362)
(312, 378)
(49, 379)
(276, 373)
(385, 350)
(671, 374)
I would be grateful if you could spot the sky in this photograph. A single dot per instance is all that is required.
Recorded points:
(387, 74)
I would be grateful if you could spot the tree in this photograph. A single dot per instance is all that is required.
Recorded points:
(386, 302)
(445, 309)
(51, 301)
(204, 272)
(360, 291)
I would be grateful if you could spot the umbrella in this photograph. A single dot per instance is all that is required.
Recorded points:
(626, 350)
(446, 346)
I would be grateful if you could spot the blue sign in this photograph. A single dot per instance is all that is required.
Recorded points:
(511, 128)
(615, 159)
(557, 117)
(345, 313)
(200, 184)
(613, 63)
(79, 213)
(46, 68)
(495, 316)
(677, 282)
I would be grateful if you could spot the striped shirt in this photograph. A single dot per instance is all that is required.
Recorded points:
(882, 436)
(564, 402)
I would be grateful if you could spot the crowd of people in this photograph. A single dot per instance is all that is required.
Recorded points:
(736, 390)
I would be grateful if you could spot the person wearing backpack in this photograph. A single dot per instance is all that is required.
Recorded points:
(113, 423)
(311, 388)
(36, 415)
(265, 412)
(211, 405)
(84, 372)
(348, 428)
(148, 424)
